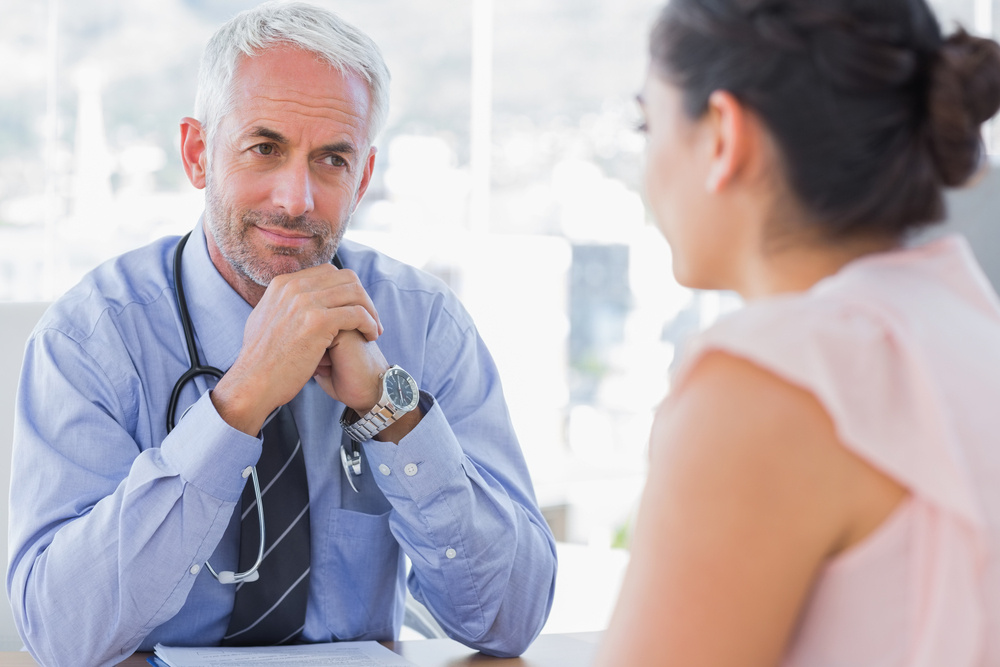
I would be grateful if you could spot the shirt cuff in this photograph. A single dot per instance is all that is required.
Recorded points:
(209, 453)
(425, 460)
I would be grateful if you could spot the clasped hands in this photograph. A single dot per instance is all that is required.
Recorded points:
(318, 322)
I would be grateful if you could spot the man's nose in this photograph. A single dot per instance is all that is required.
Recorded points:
(293, 189)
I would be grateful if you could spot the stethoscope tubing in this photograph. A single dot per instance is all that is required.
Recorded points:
(352, 466)
(196, 370)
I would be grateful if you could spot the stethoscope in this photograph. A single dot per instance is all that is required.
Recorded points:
(351, 462)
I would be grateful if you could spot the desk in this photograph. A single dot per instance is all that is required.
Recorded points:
(561, 650)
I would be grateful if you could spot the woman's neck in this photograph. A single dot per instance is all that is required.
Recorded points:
(795, 265)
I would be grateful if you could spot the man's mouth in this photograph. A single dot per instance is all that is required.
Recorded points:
(282, 236)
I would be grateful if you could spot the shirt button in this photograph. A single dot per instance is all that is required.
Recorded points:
(195, 569)
(410, 469)
(246, 471)
(450, 553)
(384, 469)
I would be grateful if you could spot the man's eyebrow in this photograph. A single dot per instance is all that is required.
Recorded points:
(266, 133)
(339, 147)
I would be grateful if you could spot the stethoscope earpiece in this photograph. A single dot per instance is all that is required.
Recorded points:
(229, 577)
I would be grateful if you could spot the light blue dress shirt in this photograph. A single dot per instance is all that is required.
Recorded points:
(112, 520)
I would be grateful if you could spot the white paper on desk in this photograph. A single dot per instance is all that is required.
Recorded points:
(341, 654)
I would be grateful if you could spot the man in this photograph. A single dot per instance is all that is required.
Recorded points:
(113, 515)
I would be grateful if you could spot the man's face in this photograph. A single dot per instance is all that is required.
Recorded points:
(286, 167)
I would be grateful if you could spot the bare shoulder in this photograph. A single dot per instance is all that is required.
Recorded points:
(781, 449)
(749, 492)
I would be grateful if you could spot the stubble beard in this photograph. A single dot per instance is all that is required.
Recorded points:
(231, 230)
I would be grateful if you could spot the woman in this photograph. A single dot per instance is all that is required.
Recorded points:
(822, 482)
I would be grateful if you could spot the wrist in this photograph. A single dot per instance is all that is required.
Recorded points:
(239, 409)
(401, 427)
(398, 396)
(372, 398)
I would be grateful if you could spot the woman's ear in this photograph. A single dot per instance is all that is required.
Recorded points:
(732, 139)
(194, 151)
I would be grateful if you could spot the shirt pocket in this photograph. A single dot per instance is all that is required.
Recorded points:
(363, 568)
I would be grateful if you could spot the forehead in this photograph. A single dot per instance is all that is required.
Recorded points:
(287, 87)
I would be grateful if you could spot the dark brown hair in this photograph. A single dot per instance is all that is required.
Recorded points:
(873, 111)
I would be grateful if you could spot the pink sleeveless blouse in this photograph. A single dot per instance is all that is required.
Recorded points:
(903, 350)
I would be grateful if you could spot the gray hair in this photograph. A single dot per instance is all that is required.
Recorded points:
(299, 24)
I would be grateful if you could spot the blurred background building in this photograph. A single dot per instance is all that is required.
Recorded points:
(510, 167)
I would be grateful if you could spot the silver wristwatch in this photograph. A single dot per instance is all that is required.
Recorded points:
(399, 396)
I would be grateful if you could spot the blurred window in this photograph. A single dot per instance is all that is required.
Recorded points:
(509, 167)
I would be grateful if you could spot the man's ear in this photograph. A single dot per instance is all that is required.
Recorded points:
(194, 151)
(366, 177)
(732, 137)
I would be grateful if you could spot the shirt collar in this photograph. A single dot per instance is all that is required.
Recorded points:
(218, 313)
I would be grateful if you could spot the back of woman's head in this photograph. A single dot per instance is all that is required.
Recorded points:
(873, 111)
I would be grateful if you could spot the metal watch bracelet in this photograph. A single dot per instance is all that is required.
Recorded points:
(362, 429)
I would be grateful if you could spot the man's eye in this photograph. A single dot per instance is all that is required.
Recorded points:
(336, 161)
(264, 149)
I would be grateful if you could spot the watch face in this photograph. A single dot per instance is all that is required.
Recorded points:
(401, 388)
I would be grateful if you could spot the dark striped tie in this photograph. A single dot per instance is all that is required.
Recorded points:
(272, 609)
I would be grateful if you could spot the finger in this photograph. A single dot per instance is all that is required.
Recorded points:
(324, 368)
(351, 318)
(328, 287)
(326, 384)
(346, 295)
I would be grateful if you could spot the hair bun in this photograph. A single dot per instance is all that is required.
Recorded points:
(964, 92)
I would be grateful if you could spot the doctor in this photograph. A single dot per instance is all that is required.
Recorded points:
(369, 380)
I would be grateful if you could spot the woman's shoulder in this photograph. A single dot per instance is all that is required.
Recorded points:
(871, 348)
(876, 311)
(802, 338)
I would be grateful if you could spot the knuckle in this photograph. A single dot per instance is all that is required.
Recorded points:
(312, 319)
(300, 301)
(360, 314)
